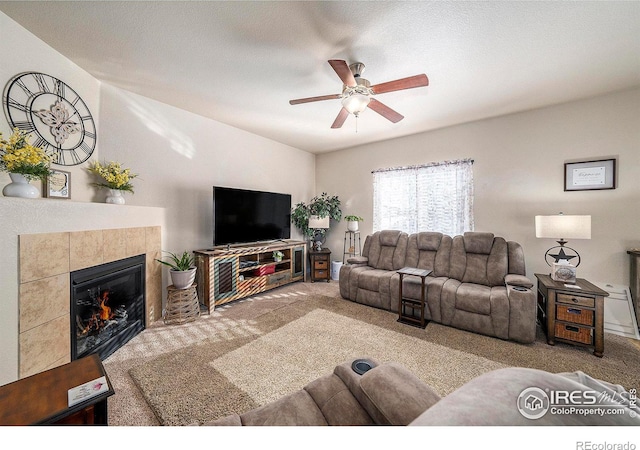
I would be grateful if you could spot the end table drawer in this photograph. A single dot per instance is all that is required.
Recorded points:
(574, 333)
(575, 315)
(576, 300)
(320, 274)
(321, 265)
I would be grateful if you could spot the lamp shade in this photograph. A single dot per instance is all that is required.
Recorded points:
(356, 103)
(563, 227)
(316, 222)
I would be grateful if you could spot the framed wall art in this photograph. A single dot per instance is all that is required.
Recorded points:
(590, 175)
(57, 185)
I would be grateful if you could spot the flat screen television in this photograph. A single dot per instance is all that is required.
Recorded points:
(241, 215)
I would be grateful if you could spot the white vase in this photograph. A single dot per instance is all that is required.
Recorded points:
(182, 279)
(20, 187)
(352, 225)
(115, 196)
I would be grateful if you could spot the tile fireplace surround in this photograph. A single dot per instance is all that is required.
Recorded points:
(46, 259)
(28, 219)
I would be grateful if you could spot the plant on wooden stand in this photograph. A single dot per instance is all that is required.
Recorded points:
(352, 222)
(183, 272)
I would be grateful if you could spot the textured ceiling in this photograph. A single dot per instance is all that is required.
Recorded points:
(241, 62)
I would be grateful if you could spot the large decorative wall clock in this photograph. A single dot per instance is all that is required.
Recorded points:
(56, 116)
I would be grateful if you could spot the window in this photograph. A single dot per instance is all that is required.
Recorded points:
(430, 197)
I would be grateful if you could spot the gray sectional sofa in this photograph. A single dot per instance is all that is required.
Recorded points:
(478, 281)
(388, 394)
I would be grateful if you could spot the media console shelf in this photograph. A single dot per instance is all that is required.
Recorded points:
(233, 272)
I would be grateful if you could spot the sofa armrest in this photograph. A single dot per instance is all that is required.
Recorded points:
(397, 394)
(358, 260)
(518, 280)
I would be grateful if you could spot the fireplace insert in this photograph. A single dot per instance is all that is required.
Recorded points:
(107, 306)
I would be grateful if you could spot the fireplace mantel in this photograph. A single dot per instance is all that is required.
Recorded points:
(37, 217)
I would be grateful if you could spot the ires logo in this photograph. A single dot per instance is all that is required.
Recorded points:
(533, 403)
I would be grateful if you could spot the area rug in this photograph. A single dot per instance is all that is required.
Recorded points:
(287, 348)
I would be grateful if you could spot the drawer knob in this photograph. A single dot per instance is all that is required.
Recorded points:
(570, 328)
(574, 300)
(574, 311)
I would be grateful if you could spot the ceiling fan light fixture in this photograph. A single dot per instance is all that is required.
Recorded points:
(356, 99)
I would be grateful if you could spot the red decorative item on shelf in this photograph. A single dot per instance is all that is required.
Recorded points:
(264, 270)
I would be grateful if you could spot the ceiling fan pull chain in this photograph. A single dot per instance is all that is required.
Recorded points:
(356, 123)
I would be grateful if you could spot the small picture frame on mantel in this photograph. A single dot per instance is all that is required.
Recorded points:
(57, 185)
(590, 175)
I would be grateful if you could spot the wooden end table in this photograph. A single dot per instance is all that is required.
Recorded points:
(572, 313)
(409, 303)
(43, 398)
(319, 260)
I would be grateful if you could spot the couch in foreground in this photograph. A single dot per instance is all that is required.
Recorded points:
(477, 283)
(388, 394)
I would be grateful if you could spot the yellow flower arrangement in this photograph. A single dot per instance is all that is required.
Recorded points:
(114, 176)
(18, 156)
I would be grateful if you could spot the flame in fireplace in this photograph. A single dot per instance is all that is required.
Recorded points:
(99, 318)
(105, 311)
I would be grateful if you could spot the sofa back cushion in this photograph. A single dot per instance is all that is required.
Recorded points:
(430, 251)
(387, 249)
(479, 258)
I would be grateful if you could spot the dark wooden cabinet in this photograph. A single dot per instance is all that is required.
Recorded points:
(319, 262)
(43, 399)
(572, 313)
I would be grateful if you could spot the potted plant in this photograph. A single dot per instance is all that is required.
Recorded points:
(322, 206)
(24, 163)
(183, 272)
(278, 255)
(352, 222)
(115, 178)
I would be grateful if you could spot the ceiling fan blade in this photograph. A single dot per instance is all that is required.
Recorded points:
(342, 116)
(342, 69)
(385, 111)
(403, 83)
(314, 99)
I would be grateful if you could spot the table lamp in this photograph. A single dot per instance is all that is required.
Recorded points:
(563, 226)
(318, 225)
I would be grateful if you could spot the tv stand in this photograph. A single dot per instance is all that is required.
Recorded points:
(231, 272)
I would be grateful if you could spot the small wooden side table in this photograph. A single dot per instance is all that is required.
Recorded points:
(573, 314)
(43, 398)
(409, 303)
(182, 305)
(319, 260)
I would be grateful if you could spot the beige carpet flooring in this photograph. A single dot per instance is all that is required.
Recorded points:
(255, 350)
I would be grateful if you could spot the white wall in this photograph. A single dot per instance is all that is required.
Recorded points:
(178, 155)
(518, 173)
(23, 52)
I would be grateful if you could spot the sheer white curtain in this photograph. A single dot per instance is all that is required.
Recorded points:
(430, 197)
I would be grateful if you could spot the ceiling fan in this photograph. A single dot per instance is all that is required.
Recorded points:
(357, 93)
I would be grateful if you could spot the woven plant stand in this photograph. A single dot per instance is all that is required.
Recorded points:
(182, 305)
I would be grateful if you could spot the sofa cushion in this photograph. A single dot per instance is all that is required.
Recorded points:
(295, 409)
(474, 260)
(387, 249)
(430, 251)
(337, 404)
(474, 298)
(371, 279)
